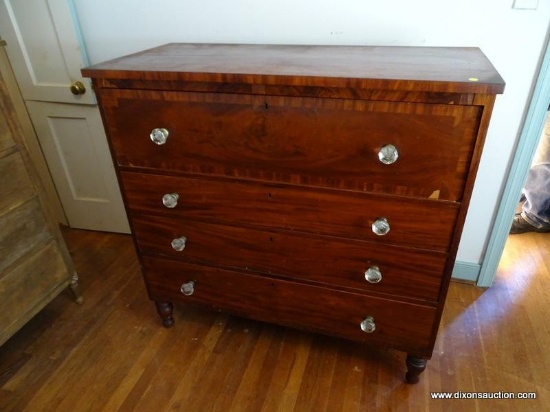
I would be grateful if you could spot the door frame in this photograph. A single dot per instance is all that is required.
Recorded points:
(525, 150)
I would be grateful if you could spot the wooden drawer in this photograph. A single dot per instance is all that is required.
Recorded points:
(28, 287)
(23, 231)
(425, 224)
(319, 142)
(401, 325)
(18, 188)
(6, 141)
(335, 262)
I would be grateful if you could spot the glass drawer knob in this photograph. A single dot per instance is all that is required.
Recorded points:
(373, 274)
(159, 136)
(178, 244)
(188, 288)
(388, 154)
(170, 200)
(368, 325)
(381, 226)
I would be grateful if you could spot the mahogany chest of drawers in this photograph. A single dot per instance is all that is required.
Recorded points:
(323, 188)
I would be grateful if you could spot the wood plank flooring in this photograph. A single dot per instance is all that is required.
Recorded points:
(111, 354)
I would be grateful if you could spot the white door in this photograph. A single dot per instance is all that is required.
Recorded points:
(44, 48)
(74, 141)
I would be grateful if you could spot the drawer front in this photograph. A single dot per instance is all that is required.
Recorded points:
(30, 286)
(18, 188)
(416, 223)
(319, 142)
(6, 140)
(335, 262)
(24, 229)
(401, 325)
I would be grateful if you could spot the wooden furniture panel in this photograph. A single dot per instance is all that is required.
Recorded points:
(262, 180)
(41, 276)
(6, 141)
(403, 69)
(35, 265)
(427, 224)
(18, 188)
(24, 226)
(405, 272)
(293, 304)
(290, 139)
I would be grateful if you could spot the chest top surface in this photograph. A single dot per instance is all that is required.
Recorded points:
(433, 69)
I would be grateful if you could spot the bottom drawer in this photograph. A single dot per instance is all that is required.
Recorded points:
(404, 326)
(27, 287)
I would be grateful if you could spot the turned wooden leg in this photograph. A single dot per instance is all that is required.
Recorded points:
(164, 309)
(415, 366)
(76, 289)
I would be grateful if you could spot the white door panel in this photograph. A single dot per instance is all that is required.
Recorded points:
(44, 49)
(75, 147)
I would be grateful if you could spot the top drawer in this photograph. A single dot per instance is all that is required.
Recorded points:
(319, 142)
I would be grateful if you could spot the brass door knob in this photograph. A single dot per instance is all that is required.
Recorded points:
(78, 88)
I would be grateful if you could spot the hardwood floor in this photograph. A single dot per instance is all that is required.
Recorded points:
(111, 354)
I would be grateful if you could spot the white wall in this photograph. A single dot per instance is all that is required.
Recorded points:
(512, 39)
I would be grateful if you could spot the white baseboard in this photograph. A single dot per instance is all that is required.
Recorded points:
(466, 271)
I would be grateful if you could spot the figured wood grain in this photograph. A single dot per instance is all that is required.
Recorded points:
(400, 325)
(320, 142)
(282, 90)
(249, 154)
(340, 263)
(487, 102)
(427, 224)
(436, 69)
